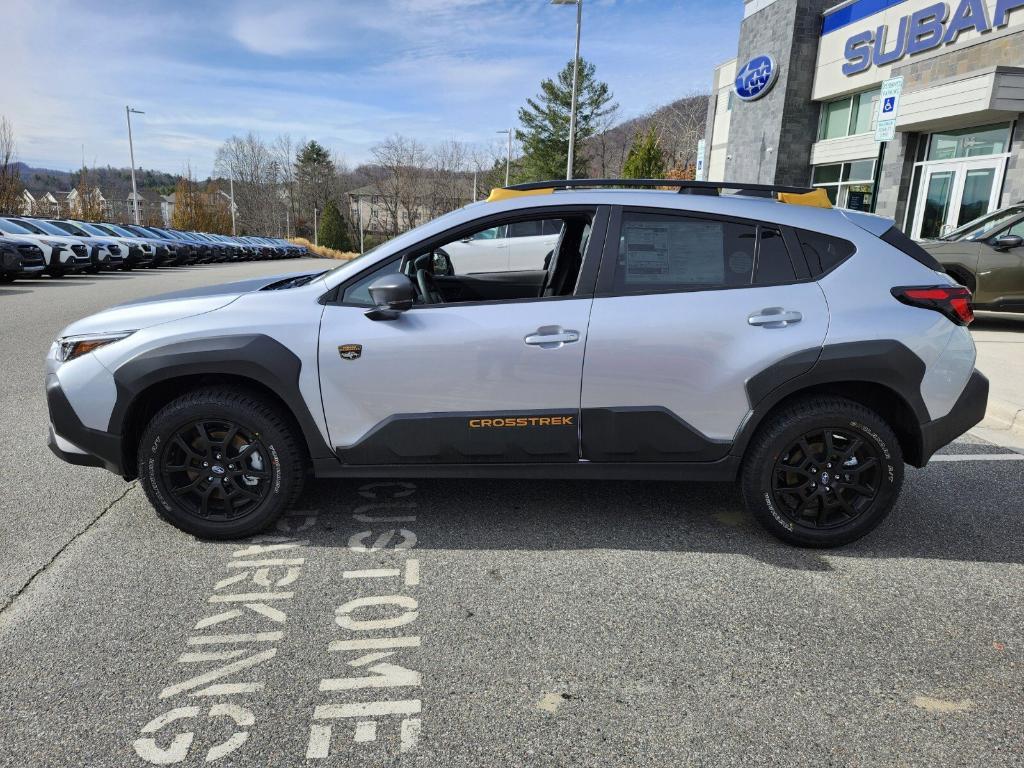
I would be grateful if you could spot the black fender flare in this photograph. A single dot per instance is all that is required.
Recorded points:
(253, 356)
(885, 362)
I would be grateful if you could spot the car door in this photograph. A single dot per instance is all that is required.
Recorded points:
(1001, 270)
(457, 383)
(688, 310)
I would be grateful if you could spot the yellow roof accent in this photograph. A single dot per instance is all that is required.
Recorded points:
(500, 193)
(816, 199)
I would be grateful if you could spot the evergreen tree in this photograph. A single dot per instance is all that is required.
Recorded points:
(645, 160)
(314, 177)
(333, 232)
(545, 123)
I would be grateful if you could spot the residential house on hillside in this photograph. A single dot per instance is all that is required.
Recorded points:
(136, 204)
(376, 213)
(167, 208)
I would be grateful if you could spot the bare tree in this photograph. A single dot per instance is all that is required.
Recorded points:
(257, 175)
(449, 179)
(284, 151)
(681, 125)
(398, 178)
(10, 179)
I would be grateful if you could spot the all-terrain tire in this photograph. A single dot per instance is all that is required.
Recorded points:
(283, 458)
(779, 437)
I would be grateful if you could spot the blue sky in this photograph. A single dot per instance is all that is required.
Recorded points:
(345, 73)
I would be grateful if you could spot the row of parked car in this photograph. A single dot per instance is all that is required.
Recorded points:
(30, 246)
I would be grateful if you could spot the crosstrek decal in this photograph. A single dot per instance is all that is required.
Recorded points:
(523, 421)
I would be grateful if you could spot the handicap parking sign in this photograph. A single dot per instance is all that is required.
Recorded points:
(889, 104)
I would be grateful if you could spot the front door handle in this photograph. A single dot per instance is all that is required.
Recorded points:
(551, 337)
(775, 317)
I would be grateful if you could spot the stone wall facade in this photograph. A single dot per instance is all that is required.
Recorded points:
(770, 138)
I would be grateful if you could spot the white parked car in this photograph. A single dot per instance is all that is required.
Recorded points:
(103, 253)
(521, 246)
(62, 254)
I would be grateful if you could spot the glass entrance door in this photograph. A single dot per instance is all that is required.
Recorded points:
(955, 193)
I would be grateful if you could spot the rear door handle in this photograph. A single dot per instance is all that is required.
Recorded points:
(775, 317)
(551, 338)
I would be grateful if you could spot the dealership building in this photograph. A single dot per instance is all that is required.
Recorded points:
(907, 108)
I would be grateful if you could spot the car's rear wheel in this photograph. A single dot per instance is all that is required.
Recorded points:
(822, 472)
(221, 463)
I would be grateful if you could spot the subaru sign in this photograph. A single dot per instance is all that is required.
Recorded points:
(924, 29)
(756, 78)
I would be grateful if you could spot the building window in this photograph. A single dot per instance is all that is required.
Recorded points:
(848, 116)
(848, 185)
(969, 142)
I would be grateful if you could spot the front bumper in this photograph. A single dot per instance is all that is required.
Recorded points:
(76, 443)
(968, 410)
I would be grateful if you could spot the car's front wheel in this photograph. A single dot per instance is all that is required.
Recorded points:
(221, 463)
(822, 472)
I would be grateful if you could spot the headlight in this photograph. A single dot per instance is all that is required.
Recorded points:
(76, 346)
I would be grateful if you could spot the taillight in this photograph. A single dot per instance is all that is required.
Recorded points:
(954, 301)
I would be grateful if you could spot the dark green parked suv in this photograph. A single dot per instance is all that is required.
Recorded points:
(987, 256)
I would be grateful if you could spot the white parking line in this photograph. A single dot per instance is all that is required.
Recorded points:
(979, 457)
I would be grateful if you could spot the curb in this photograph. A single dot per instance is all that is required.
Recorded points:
(1004, 416)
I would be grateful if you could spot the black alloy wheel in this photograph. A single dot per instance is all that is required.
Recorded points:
(826, 478)
(217, 469)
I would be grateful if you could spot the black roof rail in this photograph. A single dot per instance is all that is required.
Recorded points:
(684, 186)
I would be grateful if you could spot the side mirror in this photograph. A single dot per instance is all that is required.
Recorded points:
(441, 264)
(393, 294)
(1006, 242)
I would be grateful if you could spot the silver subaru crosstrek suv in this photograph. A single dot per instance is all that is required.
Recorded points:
(664, 334)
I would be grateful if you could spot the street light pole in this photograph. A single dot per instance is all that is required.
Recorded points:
(231, 184)
(575, 78)
(128, 111)
(316, 234)
(508, 154)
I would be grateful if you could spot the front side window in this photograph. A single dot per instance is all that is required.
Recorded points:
(522, 259)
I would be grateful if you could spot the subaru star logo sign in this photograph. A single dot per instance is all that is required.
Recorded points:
(756, 78)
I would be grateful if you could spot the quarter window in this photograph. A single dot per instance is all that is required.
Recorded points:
(823, 252)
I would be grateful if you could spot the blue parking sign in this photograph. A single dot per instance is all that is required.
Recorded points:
(889, 104)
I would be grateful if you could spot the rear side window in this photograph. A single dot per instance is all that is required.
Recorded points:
(666, 252)
(659, 252)
(823, 252)
(901, 242)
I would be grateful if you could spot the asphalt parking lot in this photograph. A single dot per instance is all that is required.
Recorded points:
(491, 623)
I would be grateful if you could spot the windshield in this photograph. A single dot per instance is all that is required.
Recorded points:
(981, 226)
(119, 231)
(30, 226)
(92, 229)
(61, 228)
(10, 228)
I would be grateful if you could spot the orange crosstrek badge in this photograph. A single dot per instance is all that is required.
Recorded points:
(523, 421)
(350, 351)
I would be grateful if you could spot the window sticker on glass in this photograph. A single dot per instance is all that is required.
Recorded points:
(673, 253)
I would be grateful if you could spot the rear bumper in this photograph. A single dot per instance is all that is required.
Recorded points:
(968, 410)
(74, 442)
